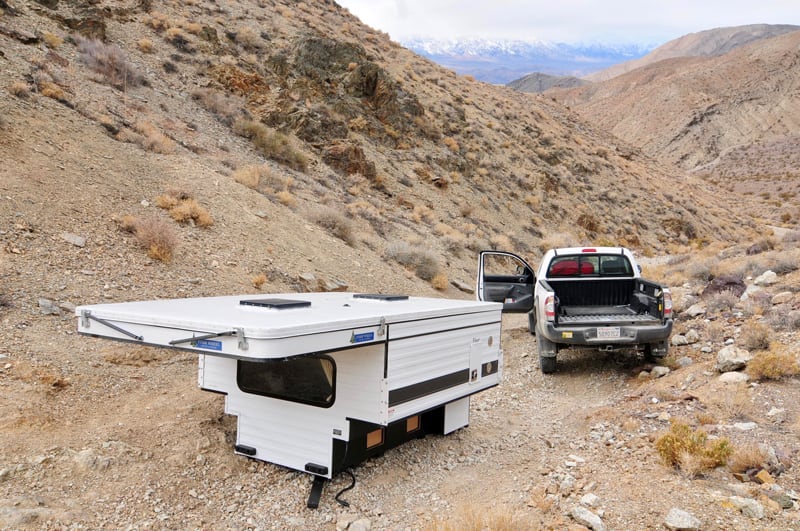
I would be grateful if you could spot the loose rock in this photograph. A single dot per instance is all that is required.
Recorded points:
(680, 519)
(732, 358)
(586, 517)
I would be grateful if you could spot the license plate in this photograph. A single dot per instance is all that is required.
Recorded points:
(609, 332)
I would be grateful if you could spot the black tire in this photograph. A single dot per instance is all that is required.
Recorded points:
(547, 354)
(532, 323)
(656, 351)
(547, 364)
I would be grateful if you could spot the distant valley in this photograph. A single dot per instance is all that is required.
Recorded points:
(499, 61)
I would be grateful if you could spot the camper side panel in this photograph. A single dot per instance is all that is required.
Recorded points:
(429, 369)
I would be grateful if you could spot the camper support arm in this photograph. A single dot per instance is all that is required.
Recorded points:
(238, 332)
(87, 316)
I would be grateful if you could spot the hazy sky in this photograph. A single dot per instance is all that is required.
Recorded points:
(570, 21)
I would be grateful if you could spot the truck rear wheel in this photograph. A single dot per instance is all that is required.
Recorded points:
(656, 351)
(547, 354)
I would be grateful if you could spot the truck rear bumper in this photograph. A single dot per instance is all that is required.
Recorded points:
(608, 335)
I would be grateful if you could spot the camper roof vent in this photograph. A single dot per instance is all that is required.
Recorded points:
(277, 304)
(380, 297)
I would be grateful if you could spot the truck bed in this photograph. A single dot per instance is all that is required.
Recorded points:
(604, 314)
(602, 301)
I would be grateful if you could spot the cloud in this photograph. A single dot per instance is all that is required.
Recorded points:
(566, 21)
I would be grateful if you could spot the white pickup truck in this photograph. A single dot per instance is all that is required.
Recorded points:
(592, 297)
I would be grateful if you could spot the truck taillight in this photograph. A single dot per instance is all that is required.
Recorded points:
(550, 308)
(667, 304)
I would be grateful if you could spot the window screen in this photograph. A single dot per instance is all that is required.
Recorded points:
(306, 379)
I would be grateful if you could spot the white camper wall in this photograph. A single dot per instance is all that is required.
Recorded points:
(423, 358)
(294, 434)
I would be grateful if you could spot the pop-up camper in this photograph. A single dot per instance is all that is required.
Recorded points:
(322, 381)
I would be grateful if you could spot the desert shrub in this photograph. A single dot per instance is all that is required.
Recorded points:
(225, 107)
(109, 61)
(189, 210)
(158, 21)
(145, 45)
(721, 301)
(773, 364)
(51, 40)
(682, 444)
(439, 281)
(272, 144)
(758, 303)
(128, 223)
(705, 418)
(168, 200)
(792, 236)
(473, 518)
(755, 336)
(783, 264)
(422, 261)
(19, 89)
(53, 91)
(699, 271)
(286, 198)
(335, 223)
(501, 242)
(154, 140)
(451, 143)
(783, 318)
(588, 222)
(715, 331)
(250, 176)
(747, 457)
(157, 237)
(248, 38)
(259, 280)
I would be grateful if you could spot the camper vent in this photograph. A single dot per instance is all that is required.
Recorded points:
(277, 304)
(380, 297)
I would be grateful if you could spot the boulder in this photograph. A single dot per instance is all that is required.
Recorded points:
(767, 278)
(732, 358)
(679, 340)
(680, 519)
(586, 517)
(692, 336)
(784, 297)
(695, 310)
(733, 377)
(748, 506)
(733, 283)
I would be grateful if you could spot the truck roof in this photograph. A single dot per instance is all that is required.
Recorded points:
(590, 250)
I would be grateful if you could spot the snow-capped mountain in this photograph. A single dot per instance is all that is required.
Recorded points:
(501, 61)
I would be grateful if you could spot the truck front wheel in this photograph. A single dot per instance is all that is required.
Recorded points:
(547, 354)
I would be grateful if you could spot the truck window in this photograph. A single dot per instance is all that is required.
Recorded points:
(572, 266)
(500, 265)
(615, 265)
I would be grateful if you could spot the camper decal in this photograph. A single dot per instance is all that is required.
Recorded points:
(361, 338)
(209, 344)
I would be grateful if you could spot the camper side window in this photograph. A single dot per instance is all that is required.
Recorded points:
(305, 379)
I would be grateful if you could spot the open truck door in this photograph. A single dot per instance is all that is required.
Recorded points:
(507, 278)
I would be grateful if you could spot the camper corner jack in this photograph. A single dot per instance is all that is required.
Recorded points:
(316, 492)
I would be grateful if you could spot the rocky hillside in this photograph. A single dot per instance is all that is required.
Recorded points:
(538, 82)
(733, 118)
(717, 41)
(157, 148)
